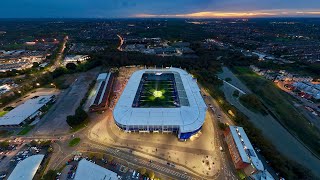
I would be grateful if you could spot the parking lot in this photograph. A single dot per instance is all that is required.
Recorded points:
(18, 151)
(54, 122)
(122, 171)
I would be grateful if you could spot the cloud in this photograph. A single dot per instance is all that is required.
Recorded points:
(164, 8)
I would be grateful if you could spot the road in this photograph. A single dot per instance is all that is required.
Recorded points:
(121, 42)
(57, 63)
(227, 171)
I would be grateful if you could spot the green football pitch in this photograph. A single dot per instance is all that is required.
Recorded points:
(157, 94)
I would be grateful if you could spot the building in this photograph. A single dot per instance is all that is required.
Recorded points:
(26, 169)
(161, 100)
(4, 88)
(26, 112)
(87, 170)
(311, 89)
(101, 92)
(20, 59)
(242, 153)
(75, 59)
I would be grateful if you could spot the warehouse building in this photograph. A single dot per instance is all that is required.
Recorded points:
(26, 112)
(26, 169)
(87, 170)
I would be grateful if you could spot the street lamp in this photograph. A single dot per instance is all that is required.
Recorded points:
(53, 85)
(38, 84)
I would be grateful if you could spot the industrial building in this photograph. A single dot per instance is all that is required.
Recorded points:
(26, 169)
(101, 92)
(87, 170)
(243, 154)
(161, 100)
(75, 59)
(27, 111)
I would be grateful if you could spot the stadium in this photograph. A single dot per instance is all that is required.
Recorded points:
(161, 100)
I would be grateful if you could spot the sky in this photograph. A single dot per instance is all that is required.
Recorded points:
(158, 8)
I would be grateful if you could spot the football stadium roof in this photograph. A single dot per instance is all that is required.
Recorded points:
(189, 116)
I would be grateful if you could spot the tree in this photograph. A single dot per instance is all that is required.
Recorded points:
(58, 72)
(222, 126)
(142, 171)
(151, 174)
(228, 79)
(33, 143)
(35, 64)
(4, 144)
(71, 66)
(79, 117)
(110, 158)
(51, 175)
(236, 93)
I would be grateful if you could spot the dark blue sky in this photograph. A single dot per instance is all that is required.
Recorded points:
(131, 8)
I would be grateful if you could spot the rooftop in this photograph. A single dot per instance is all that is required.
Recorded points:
(87, 170)
(25, 110)
(26, 169)
(245, 148)
(100, 88)
(76, 57)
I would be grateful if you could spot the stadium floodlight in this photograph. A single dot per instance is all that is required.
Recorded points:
(157, 94)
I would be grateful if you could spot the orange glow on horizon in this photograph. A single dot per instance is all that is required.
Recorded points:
(220, 14)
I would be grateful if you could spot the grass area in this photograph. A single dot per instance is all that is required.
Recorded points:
(157, 94)
(253, 103)
(2, 113)
(241, 174)
(281, 106)
(5, 133)
(25, 130)
(74, 142)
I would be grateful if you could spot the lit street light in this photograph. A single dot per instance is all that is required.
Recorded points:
(53, 85)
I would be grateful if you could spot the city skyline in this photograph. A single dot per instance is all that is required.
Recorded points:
(168, 9)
